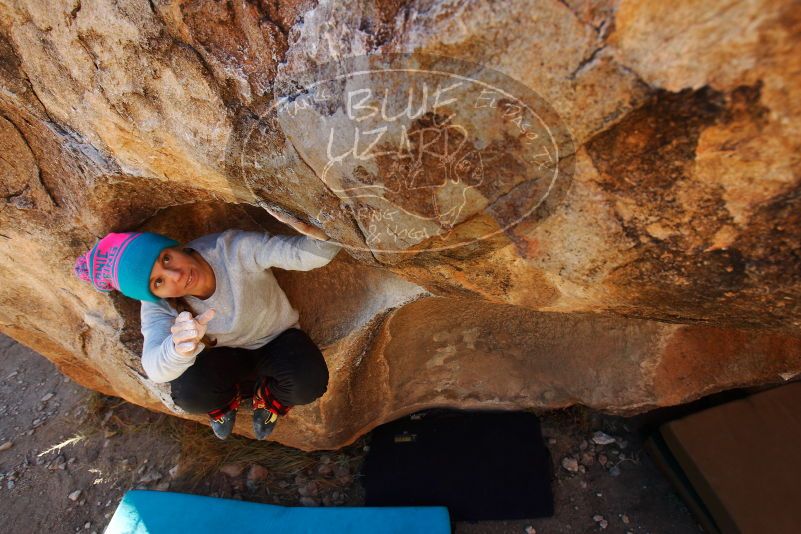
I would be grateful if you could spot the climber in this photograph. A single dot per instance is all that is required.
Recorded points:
(215, 320)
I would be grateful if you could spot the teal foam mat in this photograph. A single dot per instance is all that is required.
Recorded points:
(161, 512)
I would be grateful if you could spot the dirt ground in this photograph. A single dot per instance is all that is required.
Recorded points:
(74, 453)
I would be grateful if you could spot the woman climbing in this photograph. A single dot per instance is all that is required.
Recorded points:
(214, 319)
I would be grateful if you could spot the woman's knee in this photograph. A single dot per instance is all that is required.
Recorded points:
(299, 373)
(196, 392)
(190, 395)
(310, 385)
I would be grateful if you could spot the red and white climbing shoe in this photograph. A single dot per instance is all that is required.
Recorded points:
(222, 420)
(266, 410)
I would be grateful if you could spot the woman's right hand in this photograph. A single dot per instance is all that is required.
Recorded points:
(187, 331)
(290, 220)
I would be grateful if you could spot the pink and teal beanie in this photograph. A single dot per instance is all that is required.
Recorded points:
(123, 261)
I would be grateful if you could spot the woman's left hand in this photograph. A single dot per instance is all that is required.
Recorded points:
(297, 224)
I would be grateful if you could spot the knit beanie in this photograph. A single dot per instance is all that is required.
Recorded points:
(123, 261)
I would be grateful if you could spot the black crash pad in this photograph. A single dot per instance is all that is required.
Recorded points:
(481, 465)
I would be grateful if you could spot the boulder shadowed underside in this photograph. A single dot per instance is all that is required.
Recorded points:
(662, 262)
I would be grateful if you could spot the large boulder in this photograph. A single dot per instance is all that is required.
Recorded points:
(599, 203)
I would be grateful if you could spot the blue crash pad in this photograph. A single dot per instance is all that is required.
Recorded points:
(161, 512)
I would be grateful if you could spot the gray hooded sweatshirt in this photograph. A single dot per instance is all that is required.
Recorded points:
(251, 308)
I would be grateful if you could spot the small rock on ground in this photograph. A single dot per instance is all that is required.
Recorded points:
(602, 438)
(570, 464)
(232, 470)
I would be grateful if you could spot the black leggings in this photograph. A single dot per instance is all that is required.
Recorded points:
(291, 363)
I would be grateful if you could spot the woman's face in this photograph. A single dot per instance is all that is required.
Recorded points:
(177, 274)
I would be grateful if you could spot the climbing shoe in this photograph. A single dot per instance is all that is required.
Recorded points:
(266, 410)
(222, 420)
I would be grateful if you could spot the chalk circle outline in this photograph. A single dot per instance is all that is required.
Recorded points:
(566, 138)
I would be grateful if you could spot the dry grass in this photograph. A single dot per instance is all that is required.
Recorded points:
(110, 416)
(202, 454)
